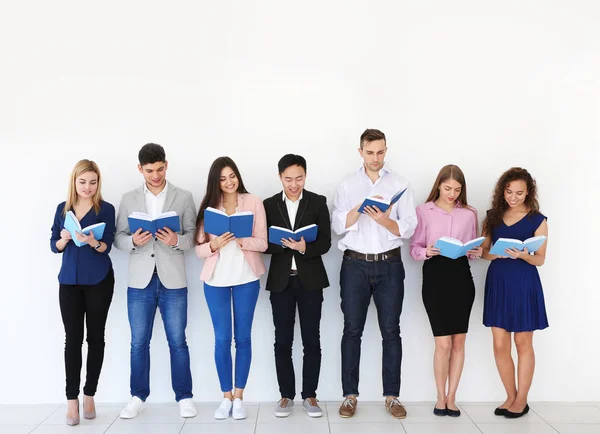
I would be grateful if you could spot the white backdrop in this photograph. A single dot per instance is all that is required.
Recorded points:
(484, 85)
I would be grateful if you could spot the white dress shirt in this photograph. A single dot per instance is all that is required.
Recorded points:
(366, 235)
(155, 204)
(292, 209)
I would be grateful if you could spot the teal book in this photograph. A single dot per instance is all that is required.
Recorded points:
(73, 226)
(276, 233)
(144, 221)
(532, 244)
(382, 204)
(217, 222)
(453, 248)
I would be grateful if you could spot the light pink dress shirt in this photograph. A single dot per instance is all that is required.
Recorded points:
(434, 223)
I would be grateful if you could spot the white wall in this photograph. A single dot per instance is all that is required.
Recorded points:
(485, 85)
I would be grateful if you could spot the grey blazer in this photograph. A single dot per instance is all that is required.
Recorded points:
(169, 262)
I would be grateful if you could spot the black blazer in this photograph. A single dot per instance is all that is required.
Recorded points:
(311, 271)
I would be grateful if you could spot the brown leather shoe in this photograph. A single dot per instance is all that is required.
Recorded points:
(348, 407)
(395, 407)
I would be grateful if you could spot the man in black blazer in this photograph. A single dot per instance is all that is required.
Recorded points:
(297, 277)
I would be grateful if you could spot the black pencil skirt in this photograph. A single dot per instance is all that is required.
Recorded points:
(448, 294)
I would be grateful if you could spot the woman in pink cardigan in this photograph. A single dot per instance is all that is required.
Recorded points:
(231, 271)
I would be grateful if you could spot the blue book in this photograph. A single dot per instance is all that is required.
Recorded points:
(142, 220)
(217, 222)
(382, 204)
(453, 248)
(309, 233)
(73, 226)
(532, 244)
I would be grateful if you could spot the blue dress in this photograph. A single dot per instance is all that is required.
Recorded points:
(514, 299)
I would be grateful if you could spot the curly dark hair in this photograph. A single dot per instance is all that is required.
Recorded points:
(499, 206)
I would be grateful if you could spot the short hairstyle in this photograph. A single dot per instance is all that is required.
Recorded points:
(151, 153)
(370, 135)
(291, 160)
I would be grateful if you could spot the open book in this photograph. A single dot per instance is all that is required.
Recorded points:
(453, 248)
(73, 226)
(217, 222)
(532, 244)
(382, 204)
(309, 233)
(142, 220)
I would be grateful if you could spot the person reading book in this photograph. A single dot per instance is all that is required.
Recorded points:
(157, 279)
(372, 266)
(296, 279)
(448, 288)
(86, 282)
(217, 222)
(514, 299)
(231, 271)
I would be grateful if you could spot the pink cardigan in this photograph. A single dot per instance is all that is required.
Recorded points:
(251, 247)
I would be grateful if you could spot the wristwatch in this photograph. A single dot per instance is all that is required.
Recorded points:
(98, 246)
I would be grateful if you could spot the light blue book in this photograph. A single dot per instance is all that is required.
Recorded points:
(144, 221)
(453, 248)
(532, 244)
(382, 204)
(73, 226)
(276, 233)
(217, 222)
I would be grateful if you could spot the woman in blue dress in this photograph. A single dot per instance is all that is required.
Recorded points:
(514, 299)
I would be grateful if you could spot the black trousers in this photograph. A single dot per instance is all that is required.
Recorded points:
(284, 315)
(89, 303)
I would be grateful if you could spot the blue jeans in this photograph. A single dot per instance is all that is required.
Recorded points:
(219, 299)
(384, 280)
(141, 308)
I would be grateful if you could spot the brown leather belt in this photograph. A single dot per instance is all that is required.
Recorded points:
(293, 272)
(372, 257)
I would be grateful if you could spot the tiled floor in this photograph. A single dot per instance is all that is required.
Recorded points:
(371, 417)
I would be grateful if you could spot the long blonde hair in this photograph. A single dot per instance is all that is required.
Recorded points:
(80, 168)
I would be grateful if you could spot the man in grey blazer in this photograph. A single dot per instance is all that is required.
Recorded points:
(157, 278)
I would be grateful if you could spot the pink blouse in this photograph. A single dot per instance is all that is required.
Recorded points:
(434, 223)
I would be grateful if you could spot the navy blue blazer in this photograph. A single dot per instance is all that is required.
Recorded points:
(84, 265)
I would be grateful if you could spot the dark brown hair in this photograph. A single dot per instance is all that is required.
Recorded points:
(499, 206)
(450, 171)
(371, 135)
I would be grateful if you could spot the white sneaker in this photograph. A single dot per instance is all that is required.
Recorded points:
(238, 412)
(186, 408)
(132, 409)
(224, 409)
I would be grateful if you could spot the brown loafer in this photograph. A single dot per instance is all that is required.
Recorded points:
(348, 407)
(395, 407)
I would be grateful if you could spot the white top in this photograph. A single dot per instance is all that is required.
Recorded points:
(155, 204)
(366, 235)
(232, 268)
(292, 209)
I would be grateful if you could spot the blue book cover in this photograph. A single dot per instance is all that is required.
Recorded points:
(276, 233)
(453, 248)
(217, 222)
(144, 221)
(532, 244)
(73, 226)
(382, 204)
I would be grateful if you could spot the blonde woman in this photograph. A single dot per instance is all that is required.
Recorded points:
(86, 283)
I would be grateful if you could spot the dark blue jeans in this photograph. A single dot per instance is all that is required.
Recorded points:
(384, 280)
(141, 308)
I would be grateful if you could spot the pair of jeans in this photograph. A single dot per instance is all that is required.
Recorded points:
(283, 305)
(384, 280)
(141, 309)
(89, 303)
(219, 300)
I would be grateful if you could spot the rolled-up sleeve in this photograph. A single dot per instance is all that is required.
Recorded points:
(405, 216)
(341, 208)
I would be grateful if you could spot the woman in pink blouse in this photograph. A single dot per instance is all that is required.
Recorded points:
(448, 289)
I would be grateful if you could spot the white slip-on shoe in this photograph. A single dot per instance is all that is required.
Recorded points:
(238, 412)
(187, 408)
(224, 409)
(132, 409)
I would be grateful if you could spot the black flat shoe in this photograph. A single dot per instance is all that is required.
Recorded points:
(511, 415)
(440, 411)
(500, 411)
(452, 413)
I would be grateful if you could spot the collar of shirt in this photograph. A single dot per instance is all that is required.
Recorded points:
(433, 207)
(290, 201)
(385, 169)
(164, 190)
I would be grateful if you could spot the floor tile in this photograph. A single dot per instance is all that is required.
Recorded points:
(217, 428)
(104, 416)
(577, 428)
(367, 428)
(511, 428)
(145, 428)
(15, 429)
(440, 428)
(296, 428)
(65, 429)
(567, 412)
(485, 414)
(33, 415)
